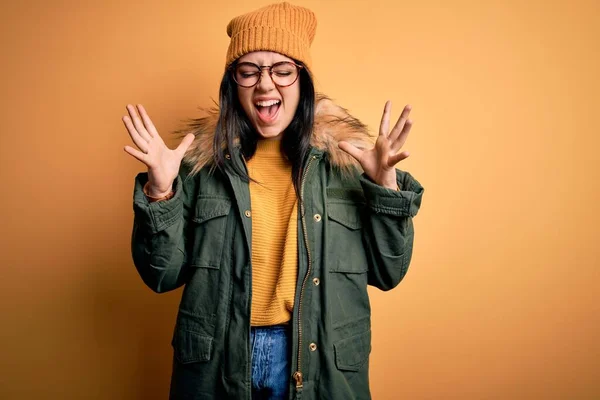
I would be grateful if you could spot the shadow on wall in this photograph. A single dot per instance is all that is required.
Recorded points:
(131, 330)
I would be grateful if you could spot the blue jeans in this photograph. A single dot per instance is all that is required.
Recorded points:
(270, 362)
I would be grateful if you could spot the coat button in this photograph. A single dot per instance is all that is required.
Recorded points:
(247, 213)
(316, 281)
(312, 347)
(227, 156)
(317, 217)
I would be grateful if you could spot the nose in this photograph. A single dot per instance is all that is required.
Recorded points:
(265, 81)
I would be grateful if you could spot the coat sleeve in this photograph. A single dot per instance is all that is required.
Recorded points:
(160, 233)
(388, 232)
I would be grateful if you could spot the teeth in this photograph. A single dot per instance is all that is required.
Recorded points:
(267, 103)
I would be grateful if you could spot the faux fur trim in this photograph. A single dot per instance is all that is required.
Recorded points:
(333, 124)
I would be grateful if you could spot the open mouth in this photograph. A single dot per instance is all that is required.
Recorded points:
(267, 110)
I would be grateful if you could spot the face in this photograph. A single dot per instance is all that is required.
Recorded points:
(270, 108)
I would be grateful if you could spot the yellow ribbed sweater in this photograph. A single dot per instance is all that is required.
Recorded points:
(274, 235)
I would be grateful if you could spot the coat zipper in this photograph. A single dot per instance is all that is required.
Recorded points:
(298, 374)
(249, 364)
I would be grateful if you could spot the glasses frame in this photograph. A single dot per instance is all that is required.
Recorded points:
(233, 68)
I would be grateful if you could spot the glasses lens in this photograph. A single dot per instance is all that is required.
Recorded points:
(246, 74)
(284, 73)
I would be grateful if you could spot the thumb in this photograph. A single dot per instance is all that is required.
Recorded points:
(185, 144)
(351, 149)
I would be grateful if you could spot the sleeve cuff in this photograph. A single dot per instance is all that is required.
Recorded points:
(404, 202)
(159, 215)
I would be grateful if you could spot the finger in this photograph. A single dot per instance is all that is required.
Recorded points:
(395, 159)
(147, 121)
(401, 139)
(136, 154)
(400, 123)
(185, 144)
(351, 149)
(135, 136)
(406, 111)
(384, 127)
(137, 122)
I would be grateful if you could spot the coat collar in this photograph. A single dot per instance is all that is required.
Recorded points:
(332, 125)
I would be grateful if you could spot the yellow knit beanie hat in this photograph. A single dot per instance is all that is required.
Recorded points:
(282, 28)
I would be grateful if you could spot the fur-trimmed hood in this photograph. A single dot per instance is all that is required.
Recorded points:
(333, 124)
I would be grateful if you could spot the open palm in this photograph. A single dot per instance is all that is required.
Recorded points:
(163, 163)
(379, 162)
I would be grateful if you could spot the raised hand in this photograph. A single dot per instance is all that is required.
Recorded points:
(162, 162)
(379, 162)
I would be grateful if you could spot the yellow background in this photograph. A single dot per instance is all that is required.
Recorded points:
(501, 300)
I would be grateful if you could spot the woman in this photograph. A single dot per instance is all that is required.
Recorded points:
(275, 213)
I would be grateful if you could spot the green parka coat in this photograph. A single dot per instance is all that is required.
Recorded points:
(351, 233)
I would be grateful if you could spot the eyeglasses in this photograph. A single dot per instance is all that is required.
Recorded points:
(284, 73)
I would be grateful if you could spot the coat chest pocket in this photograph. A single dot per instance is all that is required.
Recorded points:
(347, 265)
(345, 246)
(210, 223)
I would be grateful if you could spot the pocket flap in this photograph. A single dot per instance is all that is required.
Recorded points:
(210, 207)
(347, 214)
(191, 347)
(351, 353)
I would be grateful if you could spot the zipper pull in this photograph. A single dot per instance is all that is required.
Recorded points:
(298, 379)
